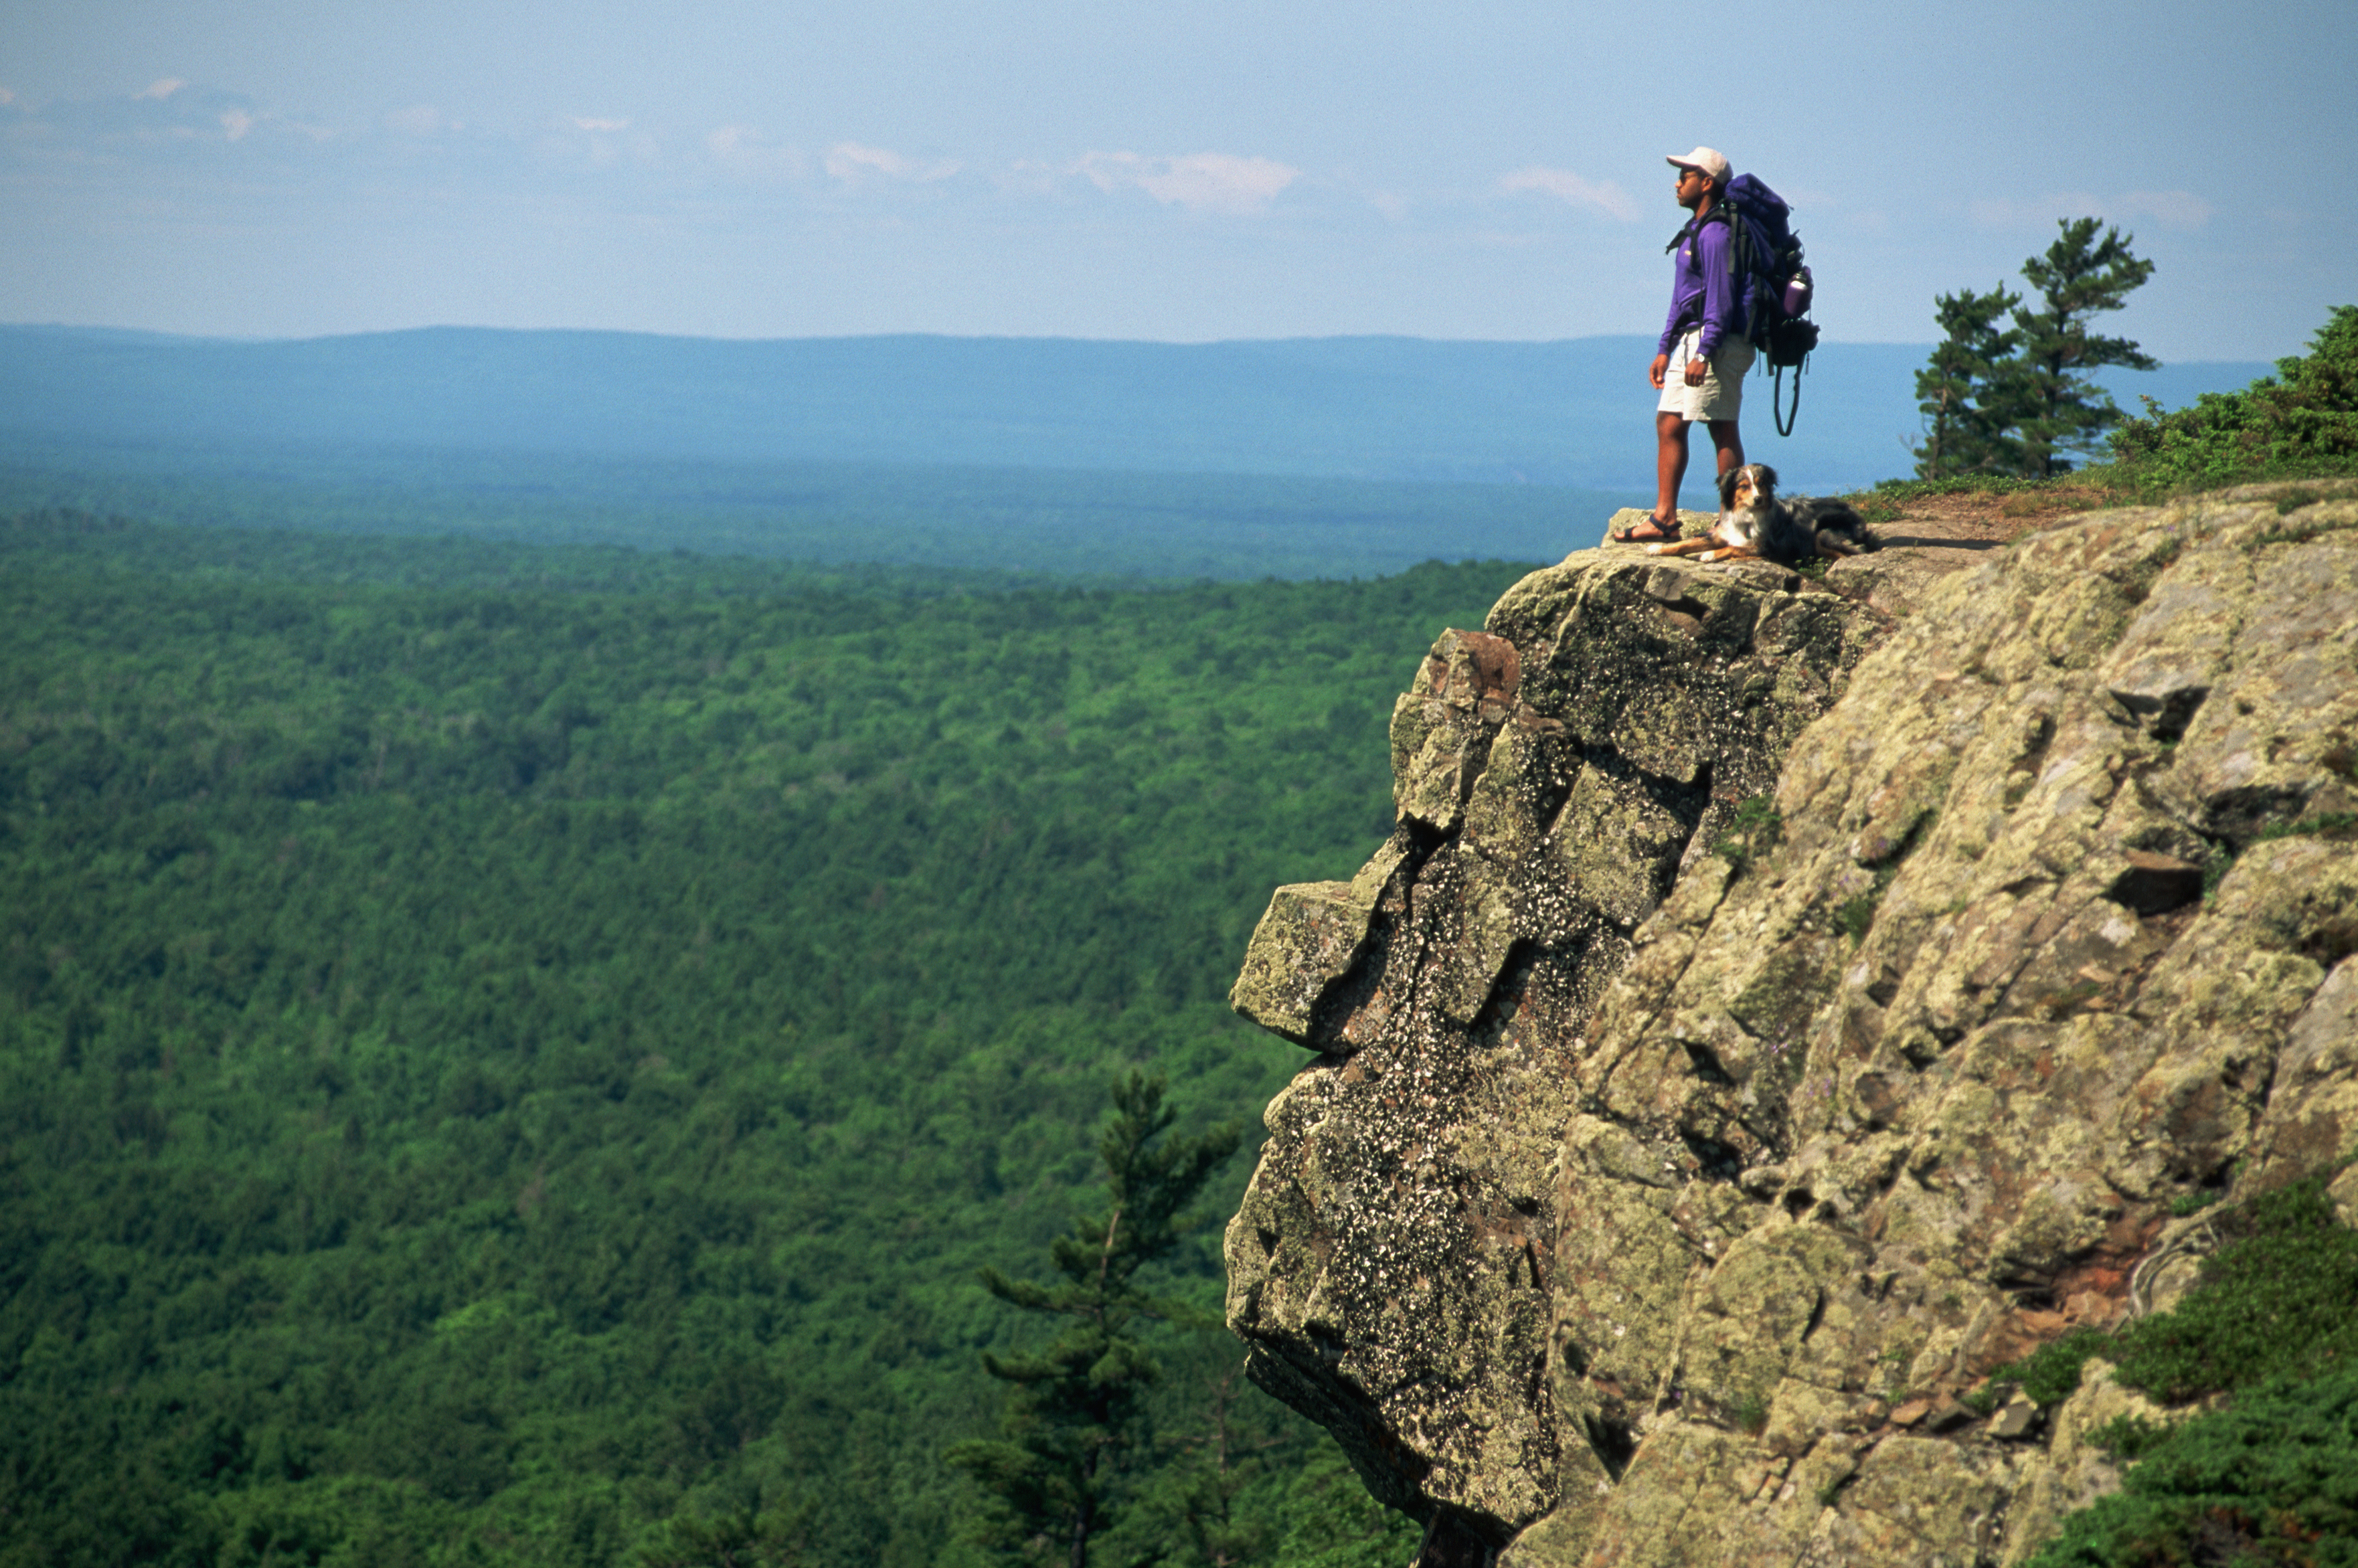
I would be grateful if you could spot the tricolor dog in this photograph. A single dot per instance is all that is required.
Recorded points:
(1754, 524)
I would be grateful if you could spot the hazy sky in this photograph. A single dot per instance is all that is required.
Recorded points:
(1182, 169)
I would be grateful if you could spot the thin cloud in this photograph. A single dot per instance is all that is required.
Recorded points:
(591, 142)
(1201, 182)
(171, 113)
(2042, 213)
(1574, 191)
(2171, 209)
(418, 120)
(2178, 208)
(744, 151)
(853, 164)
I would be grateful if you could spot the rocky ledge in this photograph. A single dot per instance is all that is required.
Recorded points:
(1771, 1015)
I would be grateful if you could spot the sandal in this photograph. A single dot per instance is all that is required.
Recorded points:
(1652, 530)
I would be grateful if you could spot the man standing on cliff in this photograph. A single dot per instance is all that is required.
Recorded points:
(1700, 363)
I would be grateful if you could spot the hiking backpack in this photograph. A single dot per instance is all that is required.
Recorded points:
(1765, 255)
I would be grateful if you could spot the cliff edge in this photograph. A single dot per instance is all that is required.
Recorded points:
(1769, 1014)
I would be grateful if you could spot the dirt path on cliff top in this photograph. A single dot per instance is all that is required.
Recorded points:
(1934, 536)
(1969, 520)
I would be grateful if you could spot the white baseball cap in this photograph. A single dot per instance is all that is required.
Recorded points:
(1709, 161)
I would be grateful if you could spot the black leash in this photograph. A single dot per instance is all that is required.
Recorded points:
(1776, 392)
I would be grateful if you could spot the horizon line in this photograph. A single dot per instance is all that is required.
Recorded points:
(94, 328)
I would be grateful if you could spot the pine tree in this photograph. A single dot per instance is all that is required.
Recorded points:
(1959, 391)
(1073, 1436)
(2055, 408)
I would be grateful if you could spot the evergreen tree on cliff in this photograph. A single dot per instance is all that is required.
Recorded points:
(1964, 424)
(2044, 392)
(1075, 1437)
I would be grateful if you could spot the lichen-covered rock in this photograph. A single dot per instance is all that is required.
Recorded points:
(2062, 928)
(1392, 1266)
(1973, 1026)
(1308, 940)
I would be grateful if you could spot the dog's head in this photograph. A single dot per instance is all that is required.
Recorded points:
(1744, 488)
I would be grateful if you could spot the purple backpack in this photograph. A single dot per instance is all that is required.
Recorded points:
(1772, 283)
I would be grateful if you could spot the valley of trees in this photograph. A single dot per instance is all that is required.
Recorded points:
(519, 1055)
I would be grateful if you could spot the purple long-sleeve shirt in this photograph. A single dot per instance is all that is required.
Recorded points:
(1703, 291)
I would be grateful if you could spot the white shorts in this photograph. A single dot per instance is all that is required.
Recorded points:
(1721, 395)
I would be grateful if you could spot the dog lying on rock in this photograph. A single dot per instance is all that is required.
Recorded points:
(1753, 524)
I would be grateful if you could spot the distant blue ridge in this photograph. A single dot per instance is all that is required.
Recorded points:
(1574, 413)
(1304, 456)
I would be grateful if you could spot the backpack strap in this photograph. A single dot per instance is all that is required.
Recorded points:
(1718, 214)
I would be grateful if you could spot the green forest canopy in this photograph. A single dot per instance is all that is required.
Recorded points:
(502, 1047)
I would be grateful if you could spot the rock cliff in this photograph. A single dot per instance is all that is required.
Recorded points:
(1769, 1014)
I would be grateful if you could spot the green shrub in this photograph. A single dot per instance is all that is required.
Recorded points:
(2128, 1436)
(2215, 866)
(1754, 828)
(2049, 1374)
(2325, 825)
(2305, 422)
(1897, 490)
(2279, 1300)
(1855, 916)
(2274, 1479)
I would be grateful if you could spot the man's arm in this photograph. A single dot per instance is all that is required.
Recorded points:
(1722, 308)
(1686, 288)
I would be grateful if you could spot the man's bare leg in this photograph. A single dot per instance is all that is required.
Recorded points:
(1670, 467)
(1730, 444)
